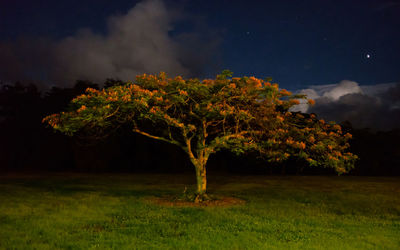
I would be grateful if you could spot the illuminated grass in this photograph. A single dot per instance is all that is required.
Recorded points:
(84, 212)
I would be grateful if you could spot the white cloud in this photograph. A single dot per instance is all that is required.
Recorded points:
(377, 89)
(137, 42)
(134, 43)
(344, 87)
(374, 106)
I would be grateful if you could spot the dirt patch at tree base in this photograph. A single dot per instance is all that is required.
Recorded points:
(217, 202)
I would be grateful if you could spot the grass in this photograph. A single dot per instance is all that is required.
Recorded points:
(113, 212)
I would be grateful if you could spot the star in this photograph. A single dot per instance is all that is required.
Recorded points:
(368, 55)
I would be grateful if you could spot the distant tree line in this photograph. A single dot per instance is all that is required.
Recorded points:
(27, 145)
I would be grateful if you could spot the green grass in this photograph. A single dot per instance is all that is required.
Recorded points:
(113, 211)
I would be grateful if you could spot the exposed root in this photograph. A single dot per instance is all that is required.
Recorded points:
(201, 198)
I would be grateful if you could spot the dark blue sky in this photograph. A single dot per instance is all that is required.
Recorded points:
(297, 43)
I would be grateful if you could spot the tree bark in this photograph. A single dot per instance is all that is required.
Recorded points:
(201, 175)
(199, 161)
(201, 179)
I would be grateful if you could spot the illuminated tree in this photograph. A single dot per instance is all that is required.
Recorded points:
(202, 117)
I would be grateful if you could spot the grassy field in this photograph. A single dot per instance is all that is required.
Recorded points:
(75, 211)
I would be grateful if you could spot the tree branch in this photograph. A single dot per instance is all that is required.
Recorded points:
(225, 138)
(113, 113)
(156, 137)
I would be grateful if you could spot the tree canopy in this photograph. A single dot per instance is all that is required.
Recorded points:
(241, 114)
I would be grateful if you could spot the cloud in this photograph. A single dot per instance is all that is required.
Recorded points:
(137, 42)
(376, 106)
(345, 87)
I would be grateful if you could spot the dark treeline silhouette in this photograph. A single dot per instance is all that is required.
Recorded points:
(27, 145)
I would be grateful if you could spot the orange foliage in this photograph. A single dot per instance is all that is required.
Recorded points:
(311, 101)
(240, 114)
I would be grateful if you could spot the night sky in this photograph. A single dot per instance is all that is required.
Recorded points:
(327, 49)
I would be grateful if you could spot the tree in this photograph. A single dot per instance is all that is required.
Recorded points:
(202, 117)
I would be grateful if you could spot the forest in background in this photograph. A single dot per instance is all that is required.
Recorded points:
(28, 145)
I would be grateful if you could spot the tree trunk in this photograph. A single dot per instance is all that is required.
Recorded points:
(199, 161)
(201, 179)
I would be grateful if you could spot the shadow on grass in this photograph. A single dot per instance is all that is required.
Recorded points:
(77, 186)
(139, 193)
(57, 187)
